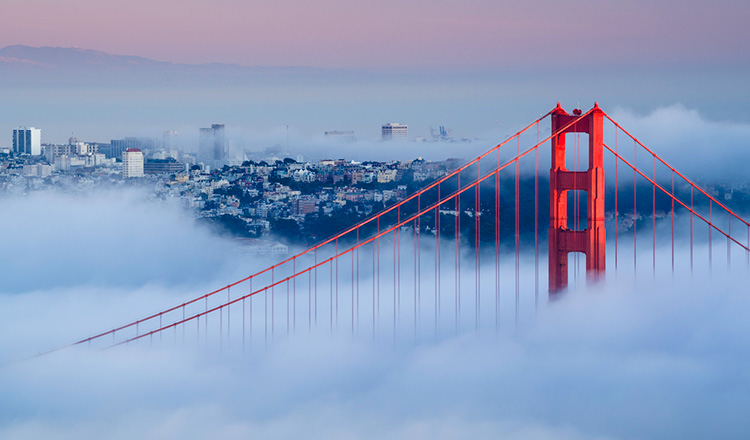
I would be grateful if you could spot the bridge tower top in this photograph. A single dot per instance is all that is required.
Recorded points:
(562, 238)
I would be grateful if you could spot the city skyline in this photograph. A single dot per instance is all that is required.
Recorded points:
(100, 96)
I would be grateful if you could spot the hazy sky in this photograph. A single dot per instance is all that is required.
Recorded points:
(388, 33)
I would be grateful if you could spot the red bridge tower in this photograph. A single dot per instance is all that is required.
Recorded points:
(563, 240)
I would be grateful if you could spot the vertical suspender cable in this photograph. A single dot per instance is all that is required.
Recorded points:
(477, 208)
(691, 228)
(458, 253)
(265, 315)
(243, 324)
(437, 231)
(653, 218)
(251, 312)
(710, 242)
(373, 290)
(398, 267)
(536, 220)
(352, 297)
(672, 223)
(437, 262)
(378, 270)
(330, 294)
(438, 294)
(357, 280)
(419, 257)
(396, 280)
(729, 234)
(337, 285)
(517, 297)
(497, 243)
(617, 213)
(635, 209)
(229, 322)
(456, 226)
(415, 278)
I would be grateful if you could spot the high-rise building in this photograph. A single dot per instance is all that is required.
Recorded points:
(27, 140)
(161, 166)
(212, 145)
(72, 148)
(118, 146)
(347, 136)
(394, 131)
(132, 163)
(169, 139)
(53, 151)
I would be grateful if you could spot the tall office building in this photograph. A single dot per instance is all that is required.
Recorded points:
(347, 136)
(169, 139)
(27, 140)
(394, 131)
(212, 145)
(118, 146)
(132, 163)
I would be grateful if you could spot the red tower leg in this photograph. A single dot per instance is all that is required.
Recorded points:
(562, 240)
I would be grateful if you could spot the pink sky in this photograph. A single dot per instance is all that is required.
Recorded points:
(388, 33)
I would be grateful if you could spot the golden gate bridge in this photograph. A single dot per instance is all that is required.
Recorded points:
(449, 256)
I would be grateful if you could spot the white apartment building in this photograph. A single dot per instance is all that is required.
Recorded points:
(132, 163)
(394, 131)
(37, 170)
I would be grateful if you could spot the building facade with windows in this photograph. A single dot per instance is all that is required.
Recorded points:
(132, 163)
(212, 145)
(27, 140)
(394, 131)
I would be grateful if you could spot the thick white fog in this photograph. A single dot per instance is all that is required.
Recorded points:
(628, 359)
(694, 143)
(651, 360)
(113, 238)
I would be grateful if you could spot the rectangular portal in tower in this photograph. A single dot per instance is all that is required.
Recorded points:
(566, 233)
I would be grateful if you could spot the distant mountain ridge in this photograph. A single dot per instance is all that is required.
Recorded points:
(70, 56)
(27, 65)
(74, 57)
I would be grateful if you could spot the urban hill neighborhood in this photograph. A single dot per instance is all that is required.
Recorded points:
(290, 200)
(273, 202)
(301, 202)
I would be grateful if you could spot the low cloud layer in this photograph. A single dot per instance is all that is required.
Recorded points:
(645, 360)
(690, 141)
(109, 238)
(652, 358)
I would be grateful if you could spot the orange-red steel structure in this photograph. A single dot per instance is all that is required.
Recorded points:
(562, 239)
